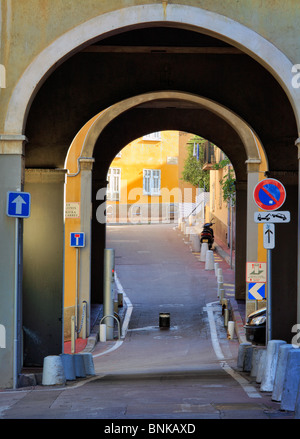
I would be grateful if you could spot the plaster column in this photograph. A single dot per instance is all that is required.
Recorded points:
(86, 166)
(43, 265)
(252, 227)
(11, 179)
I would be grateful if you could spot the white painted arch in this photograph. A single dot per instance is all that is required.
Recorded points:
(188, 17)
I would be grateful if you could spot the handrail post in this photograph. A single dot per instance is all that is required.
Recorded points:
(108, 287)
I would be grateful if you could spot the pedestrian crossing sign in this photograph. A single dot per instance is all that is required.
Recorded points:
(256, 291)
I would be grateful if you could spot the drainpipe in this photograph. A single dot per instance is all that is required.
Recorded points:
(297, 143)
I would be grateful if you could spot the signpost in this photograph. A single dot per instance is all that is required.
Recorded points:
(256, 291)
(269, 236)
(17, 206)
(276, 217)
(256, 272)
(77, 240)
(269, 195)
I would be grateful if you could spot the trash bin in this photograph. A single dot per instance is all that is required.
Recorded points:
(164, 320)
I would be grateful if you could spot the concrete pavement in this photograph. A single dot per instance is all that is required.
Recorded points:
(185, 372)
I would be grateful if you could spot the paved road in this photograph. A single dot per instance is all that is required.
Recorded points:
(184, 372)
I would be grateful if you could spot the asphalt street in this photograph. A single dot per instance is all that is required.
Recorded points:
(187, 371)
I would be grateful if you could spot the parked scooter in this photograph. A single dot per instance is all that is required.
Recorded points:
(207, 234)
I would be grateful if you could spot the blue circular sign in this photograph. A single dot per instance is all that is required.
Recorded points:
(269, 194)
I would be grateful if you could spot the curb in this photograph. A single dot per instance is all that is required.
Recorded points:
(236, 316)
(238, 321)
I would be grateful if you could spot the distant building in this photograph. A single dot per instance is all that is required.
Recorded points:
(144, 180)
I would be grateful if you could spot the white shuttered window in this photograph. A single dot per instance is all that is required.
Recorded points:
(151, 181)
(114, 184)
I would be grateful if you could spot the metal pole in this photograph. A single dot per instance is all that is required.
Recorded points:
(73, 336)
(84, 324)
(108, 306)
(269, 297)
(76, 295)
(15, 373)
(231, 233)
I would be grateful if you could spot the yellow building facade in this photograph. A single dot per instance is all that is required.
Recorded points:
(143, 180)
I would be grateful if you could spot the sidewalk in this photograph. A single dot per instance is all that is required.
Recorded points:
(238, 307)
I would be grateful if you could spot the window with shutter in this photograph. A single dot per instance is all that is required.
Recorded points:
(151, 181)
(114, 184)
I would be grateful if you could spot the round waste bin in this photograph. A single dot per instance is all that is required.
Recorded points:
(164, 320)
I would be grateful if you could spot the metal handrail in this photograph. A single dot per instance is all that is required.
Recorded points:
(109, 315)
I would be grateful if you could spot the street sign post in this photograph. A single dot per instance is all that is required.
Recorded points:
(18, 204)
(269, 194)
(256, 272)
(278, 217)
(77, 241)
(256, 291)
(269, 236)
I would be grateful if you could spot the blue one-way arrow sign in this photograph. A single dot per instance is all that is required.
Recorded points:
(18, 204)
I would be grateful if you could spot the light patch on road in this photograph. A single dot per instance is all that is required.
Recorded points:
(250, 390)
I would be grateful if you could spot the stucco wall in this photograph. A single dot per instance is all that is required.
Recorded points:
(28, 26)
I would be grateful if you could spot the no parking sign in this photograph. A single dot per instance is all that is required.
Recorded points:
(269, 194)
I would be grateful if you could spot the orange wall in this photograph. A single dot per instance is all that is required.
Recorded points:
(72, 194)
(148, 154)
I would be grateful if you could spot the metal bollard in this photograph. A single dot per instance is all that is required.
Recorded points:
(102, 332)
(216, 268)
(230, 330)
(108, 281)
(226, 317)
(73, 336)
(120, 300)
(222, 294)
(84, 320)
(164, 320)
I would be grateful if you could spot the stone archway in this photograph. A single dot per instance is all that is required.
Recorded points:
(187, 17)
(80, 160)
